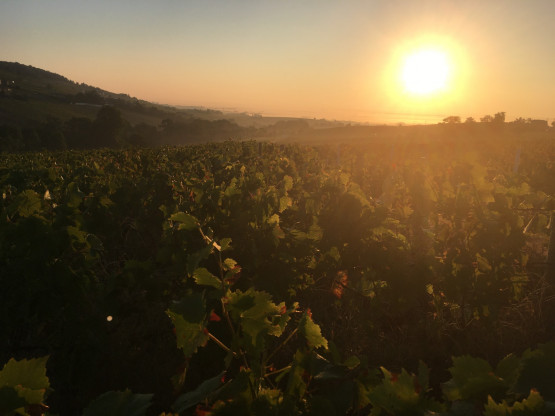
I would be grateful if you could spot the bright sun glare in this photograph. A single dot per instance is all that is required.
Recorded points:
(425, 72)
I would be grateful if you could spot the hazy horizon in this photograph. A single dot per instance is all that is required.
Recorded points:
(333, 60)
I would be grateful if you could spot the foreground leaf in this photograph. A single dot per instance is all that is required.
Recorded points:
(119, 403)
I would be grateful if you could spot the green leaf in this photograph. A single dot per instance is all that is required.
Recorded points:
(423, 376)
(296, 387)
(74, 195)
(225, 244)
(10, 401)
(284, 203)
(352, 362)
(77, 234)
(203, 277)
(473, 379)
(509, 369)
(311, 331)
(27, 203)
(27, 377)
(254, 310)
(186, 221)
(315, 232)
(201, 393)
(396, 393)
(229, 264)
(189, 319)
(287, 183)
(119, 403)
(94, 242)
(401, 394)
(537, 371)
(533, 405)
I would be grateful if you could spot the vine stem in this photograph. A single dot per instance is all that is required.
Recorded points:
(285, 341)
(281, 370)
(221, 344)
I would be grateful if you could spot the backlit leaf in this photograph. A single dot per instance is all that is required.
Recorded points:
(311, 331)
(203, 277)
(186, 221)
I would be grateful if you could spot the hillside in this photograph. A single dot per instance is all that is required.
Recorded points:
(30, 94)
(42, 110)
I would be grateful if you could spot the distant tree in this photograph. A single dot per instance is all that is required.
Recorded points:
(167, 125)
(452, 120)
(10, 139)
(470, 120)
(88, 97)
(51, 135)
(31, 139)
(143, 135)
(107, 127)
(78, 132)
(486, 119)
(499, 118)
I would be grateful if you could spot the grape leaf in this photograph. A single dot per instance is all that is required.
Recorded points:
(311, 331)
(189, 319)
(27, 377)
(27, 203)
(204, 390)
(186, 221)
(203, 277)
(119, 403)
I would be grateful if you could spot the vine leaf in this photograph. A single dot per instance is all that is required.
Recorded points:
(27, 377)
(119, 403)
(27, 203)
(186, 221)
(191, 398)
(203, 277)
(256, 312)
(189, 319)
(311, 331)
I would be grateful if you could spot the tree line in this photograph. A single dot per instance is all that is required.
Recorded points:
(110, 129)
(499, 119)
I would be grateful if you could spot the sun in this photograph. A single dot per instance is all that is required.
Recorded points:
(425, 72)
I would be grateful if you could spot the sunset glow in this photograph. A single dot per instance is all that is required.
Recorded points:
(425, 72)
(377, 62)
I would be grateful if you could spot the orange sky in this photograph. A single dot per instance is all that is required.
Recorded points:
(338, 60)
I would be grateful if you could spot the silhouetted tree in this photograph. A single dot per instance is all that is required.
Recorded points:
(51, 135)
(31, 139)
(10, 139)
(486, 119)
(88, 97)
(79, 133)
(452, 120)
(107, 127)
(470, 120)
(499, 117)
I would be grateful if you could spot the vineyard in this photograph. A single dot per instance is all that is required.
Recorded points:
(253, 278)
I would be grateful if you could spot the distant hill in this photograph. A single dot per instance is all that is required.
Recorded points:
(29, 94)
(43, 110)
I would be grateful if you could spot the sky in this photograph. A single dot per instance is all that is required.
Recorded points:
(339, 60)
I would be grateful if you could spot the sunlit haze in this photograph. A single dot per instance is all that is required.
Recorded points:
(425, 72)
(367, 61)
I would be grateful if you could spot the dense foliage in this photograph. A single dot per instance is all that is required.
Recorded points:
(254, 278)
